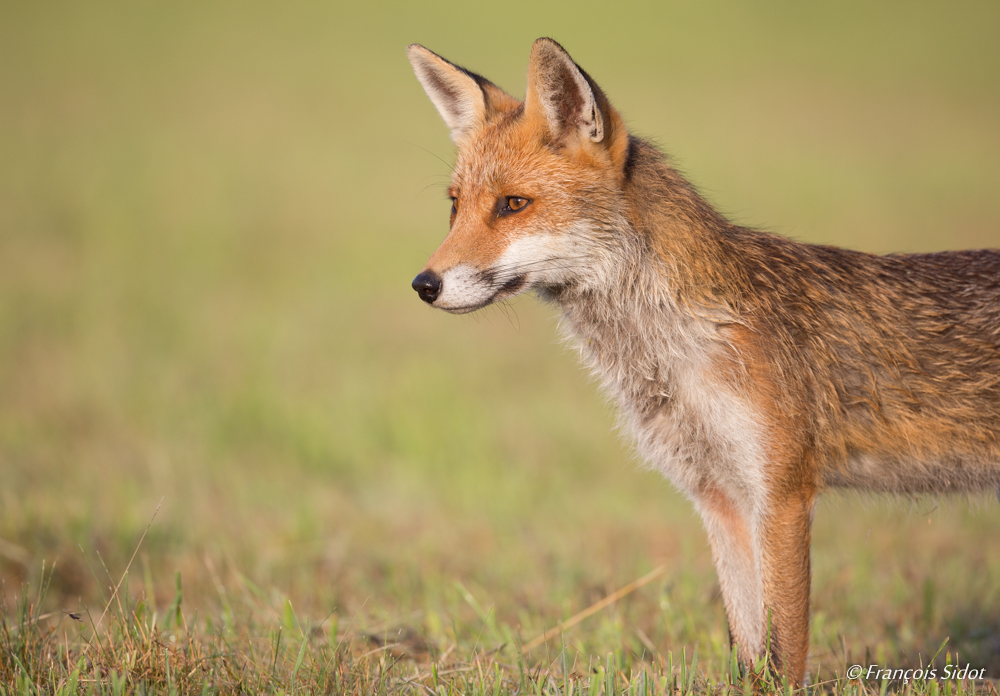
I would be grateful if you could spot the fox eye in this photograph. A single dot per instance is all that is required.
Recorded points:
(454, 205)
(512, 204)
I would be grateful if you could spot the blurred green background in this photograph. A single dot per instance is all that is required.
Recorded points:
(210, 214)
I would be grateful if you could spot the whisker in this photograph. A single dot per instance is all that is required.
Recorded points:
(443, 184)
(451, 167)
(507, 308)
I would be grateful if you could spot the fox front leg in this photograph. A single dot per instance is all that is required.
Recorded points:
(761, 555)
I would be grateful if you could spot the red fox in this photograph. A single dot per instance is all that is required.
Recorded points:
(752, 370)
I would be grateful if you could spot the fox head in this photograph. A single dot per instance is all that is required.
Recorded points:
(536, 191)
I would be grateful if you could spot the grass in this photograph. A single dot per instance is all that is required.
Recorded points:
(209, 216)
(136, 650)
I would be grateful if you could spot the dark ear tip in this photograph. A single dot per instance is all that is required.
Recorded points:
(547, 44)
(546, 40)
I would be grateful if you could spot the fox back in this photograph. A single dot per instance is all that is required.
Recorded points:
(754, 371)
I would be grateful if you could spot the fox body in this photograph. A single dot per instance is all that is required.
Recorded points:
(752, 370)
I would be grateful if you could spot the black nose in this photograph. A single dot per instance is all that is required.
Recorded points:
(428, 286)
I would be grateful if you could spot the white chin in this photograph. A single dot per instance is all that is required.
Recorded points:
(463, 290)
(467, 309)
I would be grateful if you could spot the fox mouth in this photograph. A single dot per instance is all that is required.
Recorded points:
(508, 289)
(512, 286)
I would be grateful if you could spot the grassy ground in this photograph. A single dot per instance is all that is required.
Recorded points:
(209, 217)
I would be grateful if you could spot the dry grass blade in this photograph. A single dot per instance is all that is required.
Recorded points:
(114, 595)
(594, 608)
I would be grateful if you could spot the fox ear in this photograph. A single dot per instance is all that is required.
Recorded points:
(563, 94)
(459, 95)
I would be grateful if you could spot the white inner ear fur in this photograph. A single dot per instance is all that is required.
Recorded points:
(553, 85)
(457, 97)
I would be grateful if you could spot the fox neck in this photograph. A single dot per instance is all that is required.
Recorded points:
(662, 280)
(635, 332)
(649, 328)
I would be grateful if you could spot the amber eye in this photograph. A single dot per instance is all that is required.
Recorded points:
(511, 204)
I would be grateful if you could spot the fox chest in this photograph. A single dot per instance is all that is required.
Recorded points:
(676, 413)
